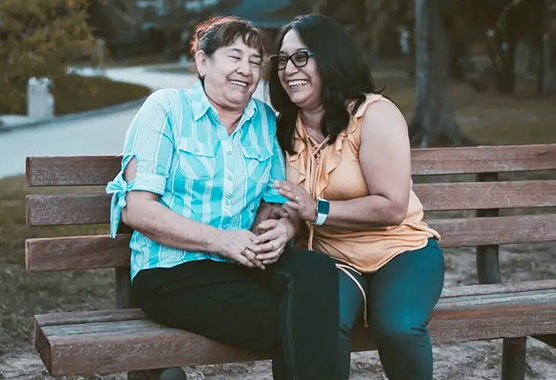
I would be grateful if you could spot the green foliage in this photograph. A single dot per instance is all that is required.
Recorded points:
(41, 38)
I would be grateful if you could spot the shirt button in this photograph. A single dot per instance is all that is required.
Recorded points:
(229, 152)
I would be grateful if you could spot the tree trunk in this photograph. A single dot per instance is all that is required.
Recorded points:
(548, 71)
(547, 78)
(433, 120)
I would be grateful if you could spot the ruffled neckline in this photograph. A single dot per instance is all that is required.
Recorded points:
(303, 161)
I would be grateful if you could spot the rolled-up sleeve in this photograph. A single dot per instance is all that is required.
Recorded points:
(150, 140)
(277, 172)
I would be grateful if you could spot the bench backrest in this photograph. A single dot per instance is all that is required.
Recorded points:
(480, 190)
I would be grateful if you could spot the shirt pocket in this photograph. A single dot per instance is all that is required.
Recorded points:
(257, 164)
(196, 159)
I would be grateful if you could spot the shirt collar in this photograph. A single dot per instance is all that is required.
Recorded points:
(201, 104)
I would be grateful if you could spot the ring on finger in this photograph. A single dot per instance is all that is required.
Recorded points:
(297, 198)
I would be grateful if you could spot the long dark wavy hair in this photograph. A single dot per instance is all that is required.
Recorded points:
(345, 76)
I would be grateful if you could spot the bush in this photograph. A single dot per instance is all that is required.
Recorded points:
(41, 38)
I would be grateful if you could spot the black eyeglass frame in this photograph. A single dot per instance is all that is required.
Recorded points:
(276, 58)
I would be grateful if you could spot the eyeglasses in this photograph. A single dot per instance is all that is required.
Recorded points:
(298, 59)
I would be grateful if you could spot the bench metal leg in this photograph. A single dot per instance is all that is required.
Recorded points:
(513, 359)
(175, 373)
(151, 374)
(488, 265)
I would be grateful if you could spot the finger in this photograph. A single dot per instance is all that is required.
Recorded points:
(271, 234)
(268, 262)
(279, 212)
(274, 256)
(286, 185)
(270, 256)
(293, 205)
(265, 248)
(287, 193)
(251, 256)
(271, 246)
(243, 260)
(266, 225)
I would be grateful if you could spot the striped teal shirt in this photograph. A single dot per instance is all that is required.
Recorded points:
(185, 155)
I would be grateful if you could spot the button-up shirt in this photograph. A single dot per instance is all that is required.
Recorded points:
(185, 155)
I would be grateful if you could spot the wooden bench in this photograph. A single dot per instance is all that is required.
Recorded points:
(123, 339)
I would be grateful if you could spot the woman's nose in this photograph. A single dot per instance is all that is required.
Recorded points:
(290, 67)
(244, 67)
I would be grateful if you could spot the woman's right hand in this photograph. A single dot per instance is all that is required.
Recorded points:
(238, 245)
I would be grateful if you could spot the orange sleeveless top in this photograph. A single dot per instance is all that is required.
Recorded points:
(333, 172)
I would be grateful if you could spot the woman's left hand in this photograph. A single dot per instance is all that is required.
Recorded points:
(272, 239)
(299, 199)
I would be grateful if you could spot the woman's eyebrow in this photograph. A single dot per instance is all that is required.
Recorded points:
(298, 50)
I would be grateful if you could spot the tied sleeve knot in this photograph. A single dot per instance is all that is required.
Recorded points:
(118, 188)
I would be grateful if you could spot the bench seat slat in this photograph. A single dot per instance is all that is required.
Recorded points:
(88, 348)
(95, 316)
(66, 209)
(98, 170)
(99, 251)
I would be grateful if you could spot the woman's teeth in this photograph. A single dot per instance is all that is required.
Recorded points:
(238, 83)
(297, 83)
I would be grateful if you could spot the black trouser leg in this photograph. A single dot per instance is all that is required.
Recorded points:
(307, 283)
(213, 299)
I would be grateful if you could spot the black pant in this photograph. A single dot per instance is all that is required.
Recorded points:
(292, 304)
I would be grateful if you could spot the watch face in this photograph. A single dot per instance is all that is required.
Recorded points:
(323, 206)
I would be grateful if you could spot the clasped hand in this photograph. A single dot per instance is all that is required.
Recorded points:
(253, 250)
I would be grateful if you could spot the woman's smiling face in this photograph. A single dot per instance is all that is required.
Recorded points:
(302, 84)
(231, 74)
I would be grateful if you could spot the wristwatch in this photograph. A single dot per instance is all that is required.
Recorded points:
(323, 208)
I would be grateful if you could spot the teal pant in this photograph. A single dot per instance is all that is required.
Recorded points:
(400, 298)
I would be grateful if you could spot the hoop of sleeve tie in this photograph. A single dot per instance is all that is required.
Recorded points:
(118, 188)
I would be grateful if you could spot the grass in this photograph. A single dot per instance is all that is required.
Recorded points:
(23, 295)
(77, 93)
(485, 117)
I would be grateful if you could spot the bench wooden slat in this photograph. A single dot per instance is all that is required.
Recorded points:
(99, 251)
(76, 253)
(486, 195)
(483, 159)
(67, 209)
(71, 171)
(471, 232)
(98, 170)
(117, 345)
(486, 289)
(79, 317)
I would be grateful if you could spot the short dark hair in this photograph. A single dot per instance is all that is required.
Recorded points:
(344, 74)
(217, 32)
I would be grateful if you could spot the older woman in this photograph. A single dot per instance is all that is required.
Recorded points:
(348, 172)
(198, 165)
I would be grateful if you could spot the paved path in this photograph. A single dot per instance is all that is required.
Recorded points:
(92, 135)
